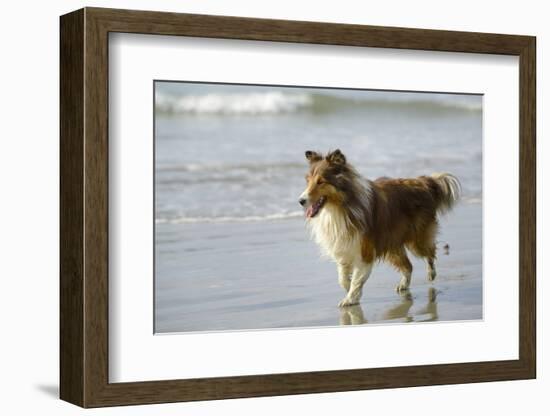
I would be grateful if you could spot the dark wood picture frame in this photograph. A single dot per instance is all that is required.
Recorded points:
(84, 207)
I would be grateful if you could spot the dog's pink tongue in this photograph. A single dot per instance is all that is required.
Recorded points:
(309, 211)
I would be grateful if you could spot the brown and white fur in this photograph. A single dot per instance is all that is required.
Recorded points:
(357, 221)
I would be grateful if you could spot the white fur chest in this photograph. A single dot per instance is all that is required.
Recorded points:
(335, 234)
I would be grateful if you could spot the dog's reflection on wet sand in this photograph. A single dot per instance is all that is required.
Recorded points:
(354, 315)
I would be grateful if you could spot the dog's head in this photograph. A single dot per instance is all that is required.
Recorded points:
(326, 181)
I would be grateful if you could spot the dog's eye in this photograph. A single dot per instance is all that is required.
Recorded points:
(320, 181)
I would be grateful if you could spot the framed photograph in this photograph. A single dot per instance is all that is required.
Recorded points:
(254, 207)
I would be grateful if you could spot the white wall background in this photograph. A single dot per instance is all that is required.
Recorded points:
(29, 206)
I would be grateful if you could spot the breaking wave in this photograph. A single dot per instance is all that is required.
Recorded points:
(278, 102)
(232, 104)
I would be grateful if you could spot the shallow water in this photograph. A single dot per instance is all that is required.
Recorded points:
(211, 165)
(231, 249)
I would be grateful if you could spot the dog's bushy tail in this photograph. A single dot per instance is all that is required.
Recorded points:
(449, 191)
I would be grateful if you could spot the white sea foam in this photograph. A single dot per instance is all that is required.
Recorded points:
(250, 218)
(472, 200)
(272, 102)
(279, 102)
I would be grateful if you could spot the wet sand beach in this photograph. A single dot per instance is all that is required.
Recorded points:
(261, 275)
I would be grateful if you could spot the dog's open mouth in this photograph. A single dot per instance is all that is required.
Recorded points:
(314, 208)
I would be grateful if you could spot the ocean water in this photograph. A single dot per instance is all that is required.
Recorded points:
(231, 249)
(236, 153)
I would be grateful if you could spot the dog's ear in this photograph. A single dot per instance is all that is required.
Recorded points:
(313, 156)
(336, 157)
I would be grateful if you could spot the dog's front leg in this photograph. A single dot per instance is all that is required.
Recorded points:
(344, 272)
(359, 276)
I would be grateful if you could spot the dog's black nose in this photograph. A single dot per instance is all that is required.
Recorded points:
(302, 201)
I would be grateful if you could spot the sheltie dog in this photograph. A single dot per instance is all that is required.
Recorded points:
(357, 221)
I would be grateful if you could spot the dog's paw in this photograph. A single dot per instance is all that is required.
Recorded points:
(347, 302)
(400, 288)
(431, 275)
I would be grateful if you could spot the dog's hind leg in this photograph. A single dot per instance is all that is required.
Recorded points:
(361, 273)
(431, 268)
(424, 246)
(402, 263)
